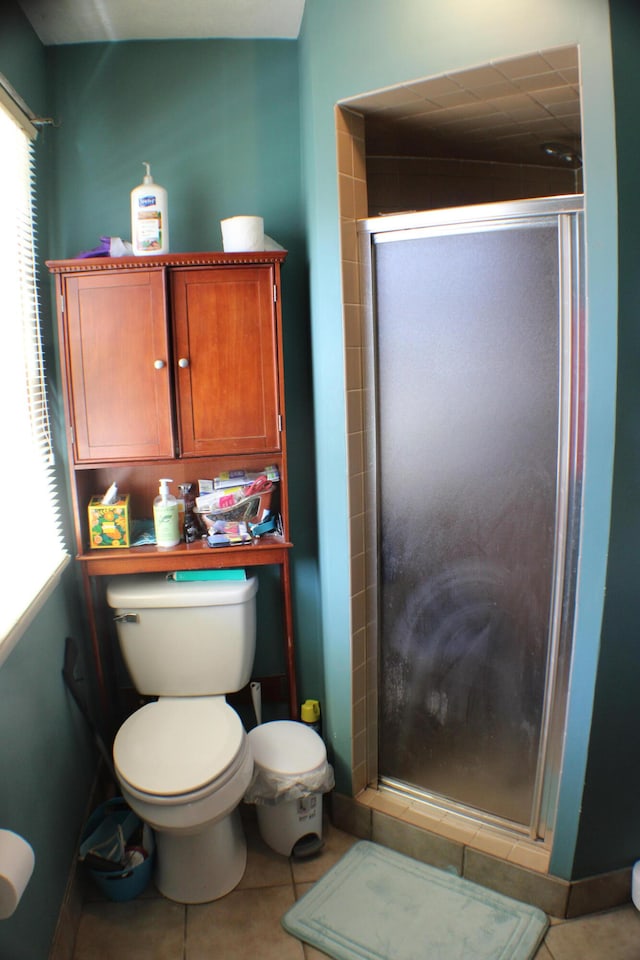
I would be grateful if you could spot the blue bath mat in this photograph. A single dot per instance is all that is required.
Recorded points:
(376, 904)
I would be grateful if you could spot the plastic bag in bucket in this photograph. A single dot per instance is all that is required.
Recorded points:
(118, 850)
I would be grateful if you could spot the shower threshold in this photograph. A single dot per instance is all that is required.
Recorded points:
(463, 827)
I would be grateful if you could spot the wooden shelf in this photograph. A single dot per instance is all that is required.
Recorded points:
(185, 556)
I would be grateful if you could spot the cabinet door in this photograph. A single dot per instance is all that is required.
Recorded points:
(226, 360)
(119, 366)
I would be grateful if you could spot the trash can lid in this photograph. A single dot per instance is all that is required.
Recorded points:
(285, 746)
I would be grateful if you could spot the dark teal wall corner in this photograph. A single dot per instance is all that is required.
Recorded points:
(609, 836)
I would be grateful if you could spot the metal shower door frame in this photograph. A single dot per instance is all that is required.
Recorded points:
(567, 211)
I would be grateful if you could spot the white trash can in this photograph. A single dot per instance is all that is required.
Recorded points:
(290, 775)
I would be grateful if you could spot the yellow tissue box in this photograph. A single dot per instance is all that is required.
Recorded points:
(109, 525)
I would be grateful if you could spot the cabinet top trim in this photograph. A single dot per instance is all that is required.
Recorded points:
(215, 258)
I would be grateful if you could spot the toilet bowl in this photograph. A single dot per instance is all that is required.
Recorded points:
(187, 786)
(184, 761)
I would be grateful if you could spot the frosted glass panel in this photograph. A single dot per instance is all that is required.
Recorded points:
(468, 398)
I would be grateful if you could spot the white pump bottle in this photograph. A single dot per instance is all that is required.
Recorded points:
(149, 217)
(165, 517)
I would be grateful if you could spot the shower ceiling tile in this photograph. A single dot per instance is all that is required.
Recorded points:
(454, 99)
(561, 57)
(479, 77)
(571, 75)
(503, 111)
(524, 66)
(540, 82)
(560, 94)
(435, 87)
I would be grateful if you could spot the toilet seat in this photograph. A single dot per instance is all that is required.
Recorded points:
(179, 746)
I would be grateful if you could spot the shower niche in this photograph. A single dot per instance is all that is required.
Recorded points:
(471, 147)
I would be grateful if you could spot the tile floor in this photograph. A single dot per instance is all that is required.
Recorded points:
(246, 923)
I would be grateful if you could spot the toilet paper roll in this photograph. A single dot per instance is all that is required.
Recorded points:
(635, 884)
(242, 234)
(16, 866)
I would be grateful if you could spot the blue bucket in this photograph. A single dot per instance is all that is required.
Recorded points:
(110, 827)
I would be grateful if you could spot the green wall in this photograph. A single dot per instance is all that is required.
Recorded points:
(47, 761)
(47, 765)
(610, 824)
(365, 45)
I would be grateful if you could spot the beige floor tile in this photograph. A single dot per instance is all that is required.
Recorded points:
(144, 929)
(543, 953)
(244, 924)
(265, 867)
(614, 935)
(336, 844)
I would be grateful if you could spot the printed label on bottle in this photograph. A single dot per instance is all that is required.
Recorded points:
(166, 524)
(150, 230)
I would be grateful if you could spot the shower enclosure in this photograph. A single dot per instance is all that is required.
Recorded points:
(474, 384)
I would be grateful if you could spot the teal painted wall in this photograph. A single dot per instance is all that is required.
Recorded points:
(219, 123)
(350, 49)
(612, 790)
(47, 760)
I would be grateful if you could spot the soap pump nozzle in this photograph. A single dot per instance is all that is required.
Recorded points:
(164, 491)
(147, 177)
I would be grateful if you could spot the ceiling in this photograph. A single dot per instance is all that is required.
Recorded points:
(504, 111)
(90, 21)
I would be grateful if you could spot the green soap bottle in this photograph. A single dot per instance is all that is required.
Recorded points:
(165, 517)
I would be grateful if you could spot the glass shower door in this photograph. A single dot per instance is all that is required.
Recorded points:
(472, 505)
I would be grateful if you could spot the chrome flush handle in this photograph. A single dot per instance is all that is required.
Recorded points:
(126, 618)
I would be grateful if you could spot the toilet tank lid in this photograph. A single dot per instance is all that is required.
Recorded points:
(153, 590)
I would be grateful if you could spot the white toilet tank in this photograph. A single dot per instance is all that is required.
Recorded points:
(185, 638)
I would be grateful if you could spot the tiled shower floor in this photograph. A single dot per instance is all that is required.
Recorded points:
(246, 923)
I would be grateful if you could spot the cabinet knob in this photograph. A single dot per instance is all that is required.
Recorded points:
(183, 362)
(159, 364)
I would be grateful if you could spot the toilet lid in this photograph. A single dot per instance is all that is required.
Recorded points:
(177, 745)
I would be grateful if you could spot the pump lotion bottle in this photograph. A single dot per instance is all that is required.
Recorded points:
(149, 217)
(165, 517)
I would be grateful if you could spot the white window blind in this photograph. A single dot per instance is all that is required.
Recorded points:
(32, 541)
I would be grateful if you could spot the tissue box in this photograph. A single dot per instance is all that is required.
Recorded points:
(109, 525)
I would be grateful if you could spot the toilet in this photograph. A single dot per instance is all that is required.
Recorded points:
(184, 761)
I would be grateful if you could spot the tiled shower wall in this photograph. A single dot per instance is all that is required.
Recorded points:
(352, 187)
(399, 184)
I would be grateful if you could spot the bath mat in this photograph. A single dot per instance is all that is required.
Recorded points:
(376, 904)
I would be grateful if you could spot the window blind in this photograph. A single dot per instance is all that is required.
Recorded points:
(30, 520)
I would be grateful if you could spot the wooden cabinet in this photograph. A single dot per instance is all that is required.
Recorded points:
(226, 359)
(117, 357)
(172, 367)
